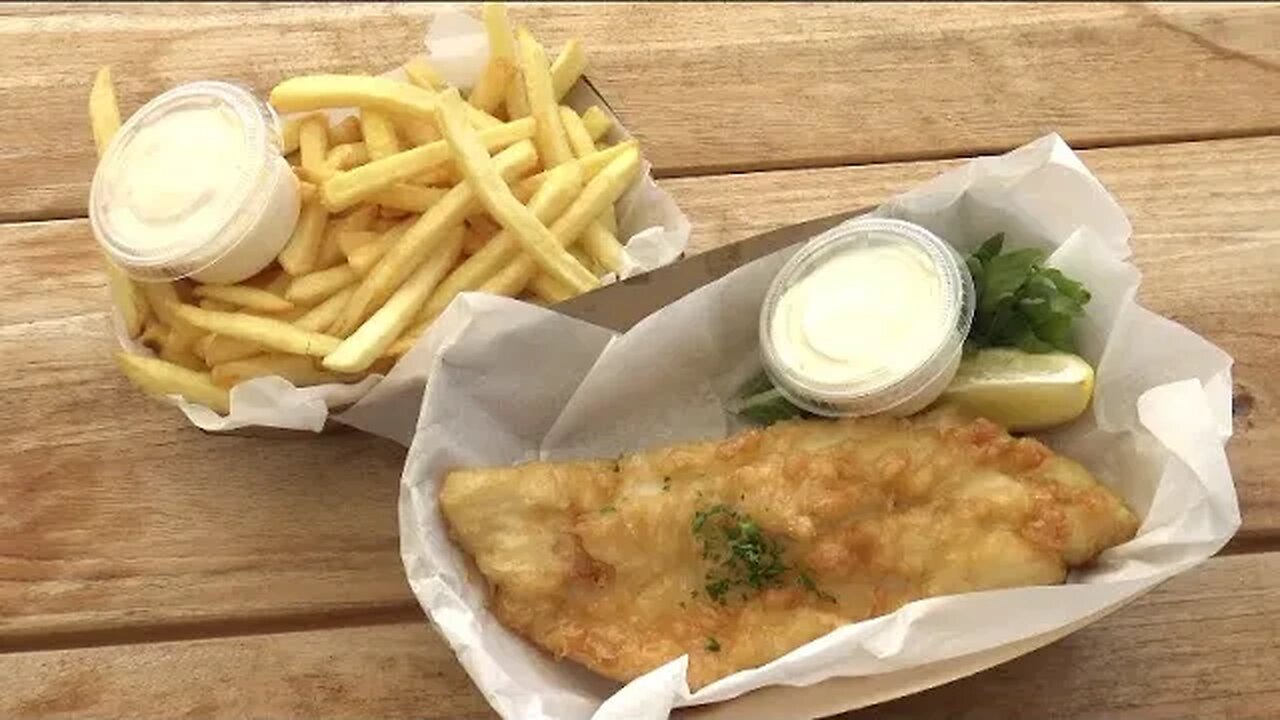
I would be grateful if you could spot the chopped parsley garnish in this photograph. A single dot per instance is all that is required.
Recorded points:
(713, 645)
(666, 484)
(608, 509)
(744, 557)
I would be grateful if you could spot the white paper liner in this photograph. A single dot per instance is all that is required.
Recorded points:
(654, 230)
(513, 382)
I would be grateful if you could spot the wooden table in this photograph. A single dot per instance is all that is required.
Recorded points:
(147, 569)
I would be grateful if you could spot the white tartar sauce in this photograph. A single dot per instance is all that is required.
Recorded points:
(864, 314)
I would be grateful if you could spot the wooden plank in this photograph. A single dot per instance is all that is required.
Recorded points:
(1202, 645)
(705, 86)
(122, 517)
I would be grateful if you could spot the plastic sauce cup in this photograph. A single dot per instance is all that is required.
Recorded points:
(194, 185)
(923, 372)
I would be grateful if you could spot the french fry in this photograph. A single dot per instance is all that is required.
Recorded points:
(346, 131)
(162, 378)
(216, 305)
(379, 134)
(346, 156)
(602, 246)
(245, 296)
(582, 144)
(104, 111)
(420, 73)
(319, 92)
(314, 287)
(502, 46)
(553, 147)
(567, 68)
(563, 185)
(313, 143)
(359, 219)
(300, 253)
(367, 343)
(128, 299)
(597, 122)
(277, 282)
(423, 237)
(549, 289)
(591, 166)
(307, 191)
(602, 191)
(289, 130)
(162, 298)
(297, 369)
(220, 349)
(348, 188)
(407, 197)
(182, 356)
(266, 332)
(320, 317)
(365, 257)
(492, 191)
(416, 132)
(491, 88)
(154, 334)
(350, 240)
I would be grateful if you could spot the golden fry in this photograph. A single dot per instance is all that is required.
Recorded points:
(603, 190)
(218, 349)
(104, 111)
(320, 317)
(313, 143)
(597, 122)
(591, 166)
(568, 67)
(290, 129)
(299, 370)
(416, 132)
(549, 289)
(602, 246)
(348, 188)
(421, 73)
(407, 197)
(346, 131)
(162, 378)
(379, 134)
(300, 253)
(491, 88)
(423, 237)
(350, 240)
(492, 191)
(553, 147)
(368, 342)
(127, 297)
(563, 185)
(583, 146)
(267, 332)
(314, 287)
(307, 191)
(245, 296)
(346, 156)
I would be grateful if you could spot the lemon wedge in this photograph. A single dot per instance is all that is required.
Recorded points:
(1021, 390)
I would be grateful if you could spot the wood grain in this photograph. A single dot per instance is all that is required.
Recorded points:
(1203, 645)
(706, 87)
(118, 516)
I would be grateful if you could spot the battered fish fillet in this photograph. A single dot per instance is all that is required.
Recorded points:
(805, 526)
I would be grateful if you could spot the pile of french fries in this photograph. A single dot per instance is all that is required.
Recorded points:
(420, 195)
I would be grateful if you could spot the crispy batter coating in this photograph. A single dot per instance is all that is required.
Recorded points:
(597, 561)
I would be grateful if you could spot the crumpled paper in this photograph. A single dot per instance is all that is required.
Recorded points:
(513, 382)
(654, 230)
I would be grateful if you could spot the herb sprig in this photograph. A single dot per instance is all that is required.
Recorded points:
(1020, 302)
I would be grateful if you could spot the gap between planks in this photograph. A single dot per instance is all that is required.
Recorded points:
(373, 615)
(856, 160)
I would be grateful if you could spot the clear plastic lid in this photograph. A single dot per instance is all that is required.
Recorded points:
(170, 242)
(878, 391)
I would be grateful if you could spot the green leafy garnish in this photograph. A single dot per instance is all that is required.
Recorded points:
(1020, 302)
(713, 645)
(608, 509)
(760, 402)
(744, 557)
